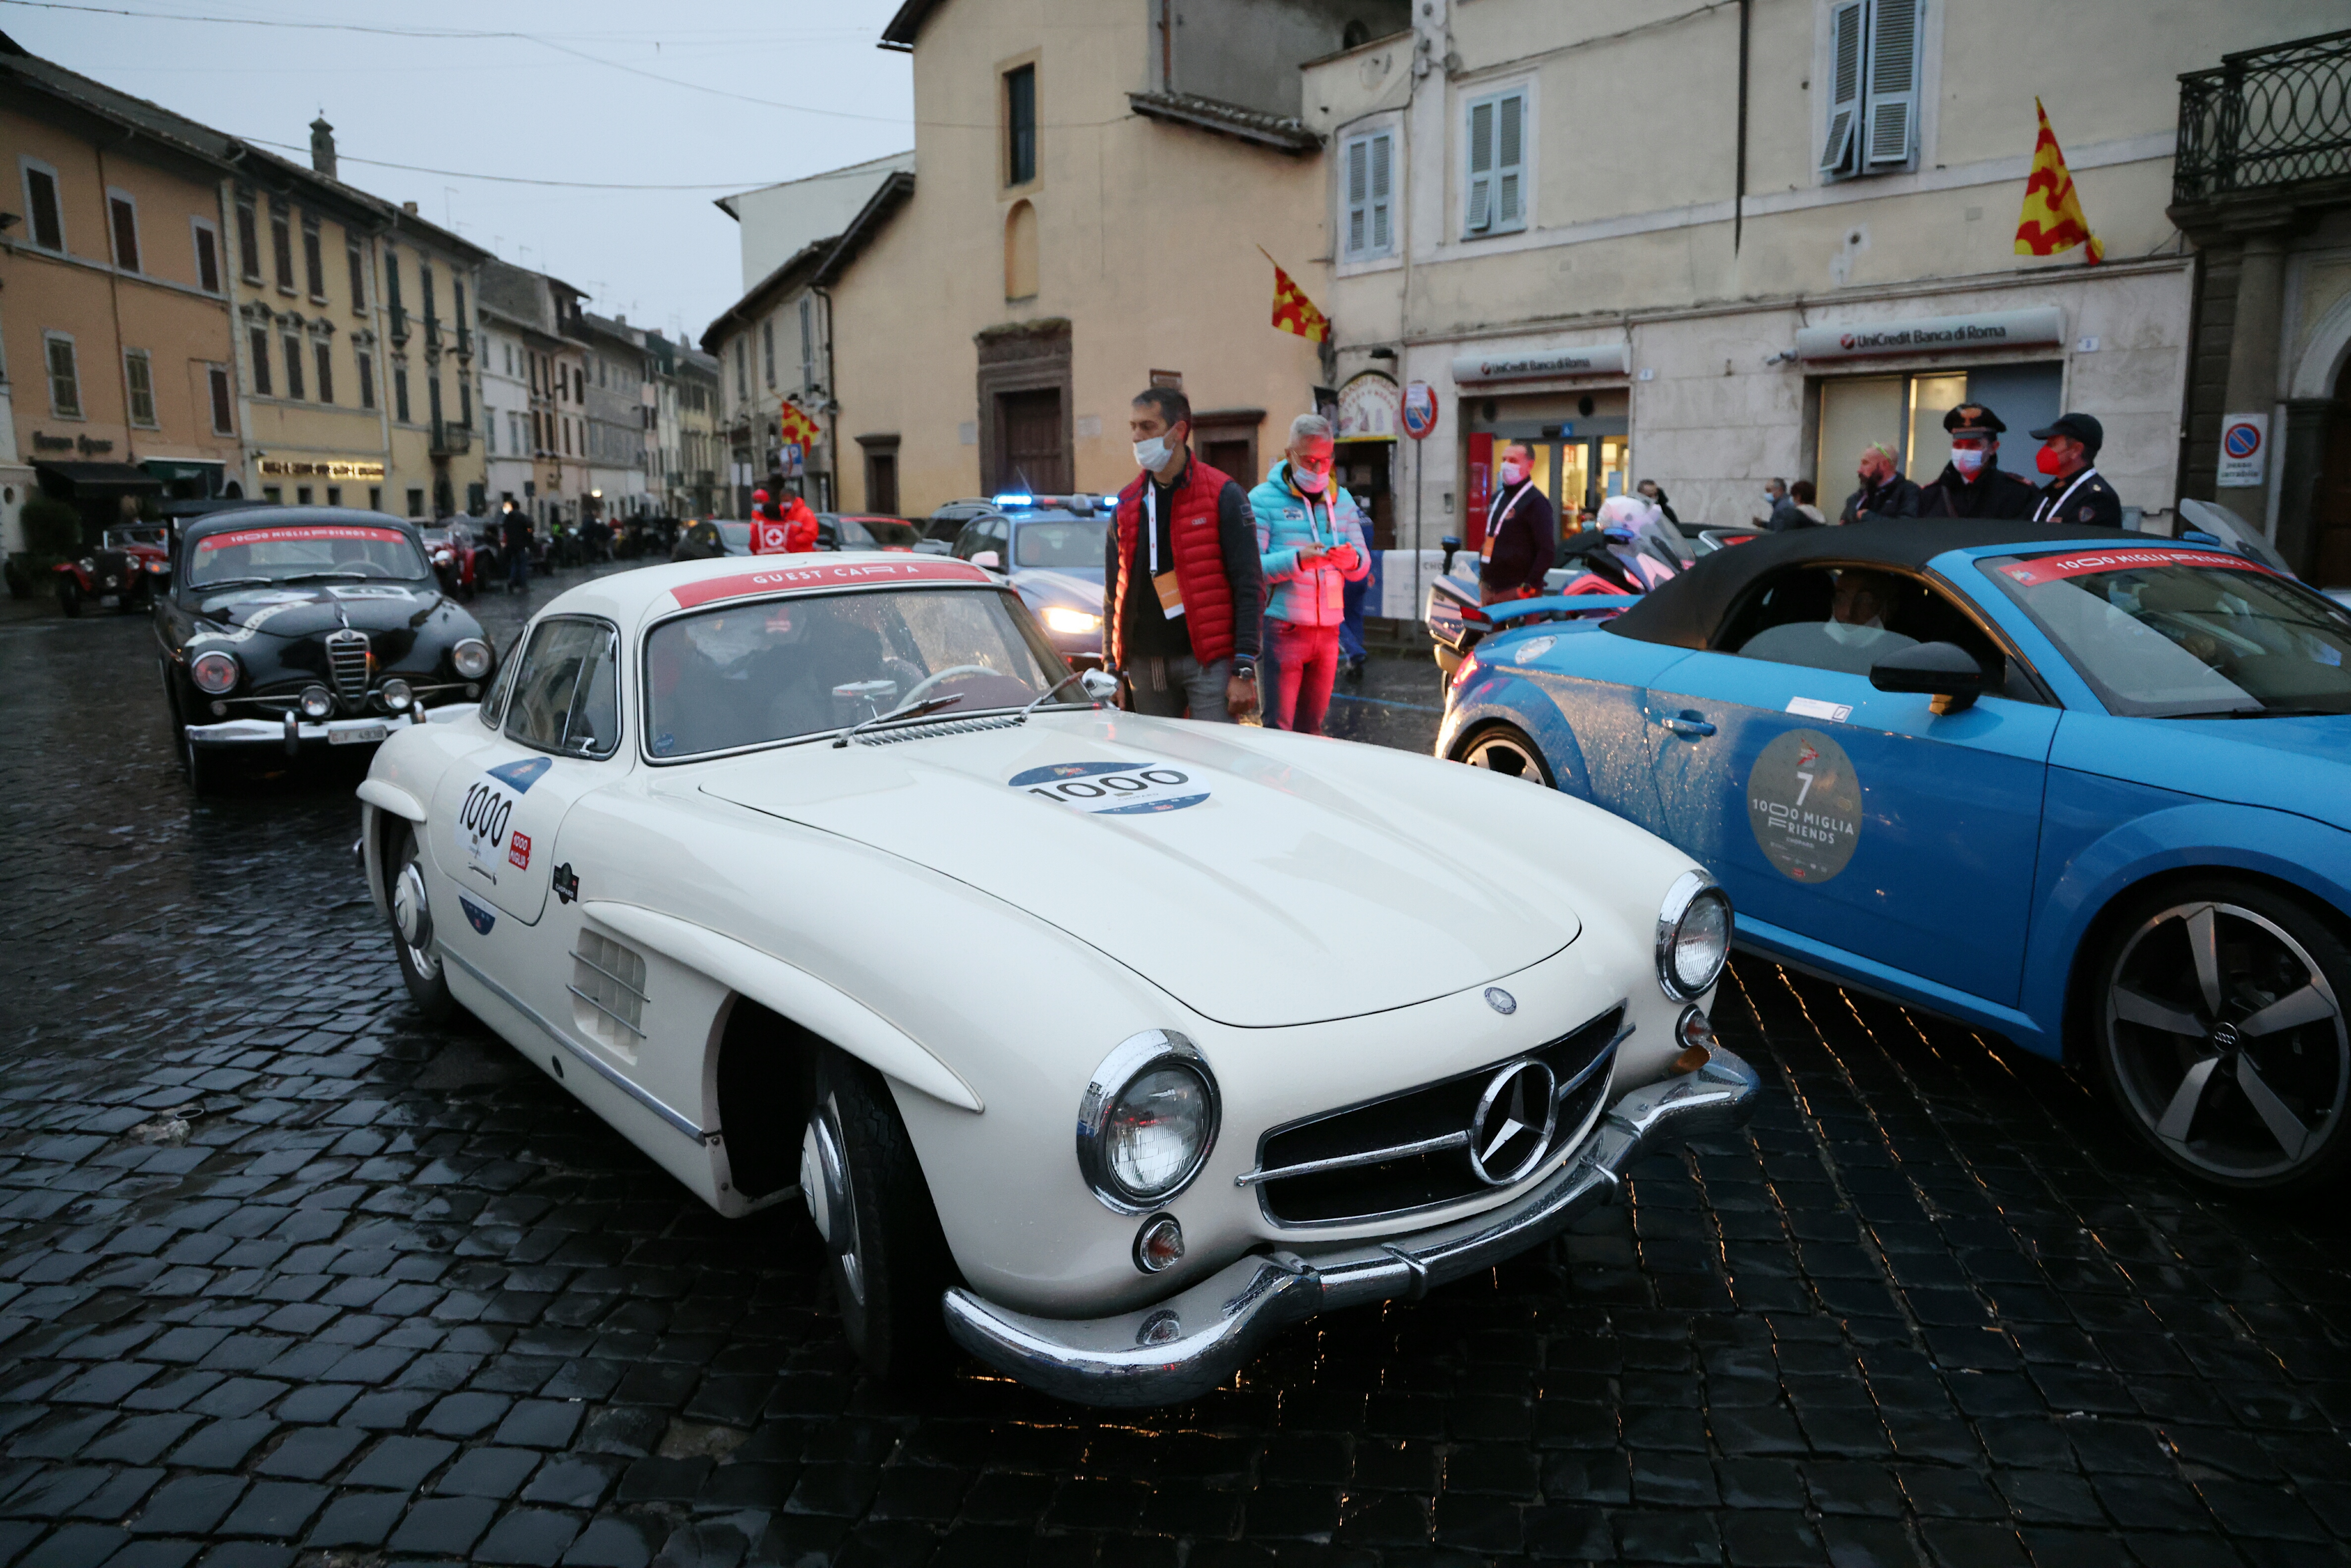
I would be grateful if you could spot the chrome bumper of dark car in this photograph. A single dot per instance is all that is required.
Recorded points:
(1189, 1343)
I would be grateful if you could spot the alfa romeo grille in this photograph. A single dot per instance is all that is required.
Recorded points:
(608, 992)
(347, 661)
(1426, 1147)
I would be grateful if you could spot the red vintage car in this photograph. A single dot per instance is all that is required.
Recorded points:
(128, 571)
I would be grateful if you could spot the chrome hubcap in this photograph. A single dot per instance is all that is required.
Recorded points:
(412, 917)
(2228, 1040)
(824, 1186)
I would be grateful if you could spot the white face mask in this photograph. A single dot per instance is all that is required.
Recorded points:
(1153, 453)
(1308, 480)
(1846, 634)
(1968, 461)
(1514, 473)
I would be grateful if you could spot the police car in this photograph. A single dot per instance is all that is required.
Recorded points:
(1050, 548)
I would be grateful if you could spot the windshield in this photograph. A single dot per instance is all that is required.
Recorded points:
(1056, 542)
(2179, 633)
(889, 533)
(748, 674)
(736, 536)
(293, 552)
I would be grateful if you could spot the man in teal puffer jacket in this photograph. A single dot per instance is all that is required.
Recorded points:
(1311, 538)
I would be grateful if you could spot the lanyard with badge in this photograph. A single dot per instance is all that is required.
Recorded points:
(1494, 525)
(2050, 510)
(1170, 591)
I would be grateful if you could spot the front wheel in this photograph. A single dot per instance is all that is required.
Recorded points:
(411, 930)
(1500, 749)
(865, 1191)
(69, 595)
(2220, 1034)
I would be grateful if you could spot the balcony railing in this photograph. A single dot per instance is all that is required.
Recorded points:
(451, 439)
(2264, 118)
(398, 323)
(465, 342)
(432, 333)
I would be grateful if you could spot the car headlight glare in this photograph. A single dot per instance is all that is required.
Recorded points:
(1147, 1121)
(398, 695)
(1070, 622)
(213, 673)
(1693, 927)
(316, 703)
(472, 658)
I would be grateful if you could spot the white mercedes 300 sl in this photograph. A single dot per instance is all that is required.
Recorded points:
(1109, 1045)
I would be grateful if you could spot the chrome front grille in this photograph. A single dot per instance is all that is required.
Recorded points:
(1413, 1150)
(347, 664)
(943, 727)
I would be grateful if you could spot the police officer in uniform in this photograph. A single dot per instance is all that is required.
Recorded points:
(2076, 492)
(1973, 484)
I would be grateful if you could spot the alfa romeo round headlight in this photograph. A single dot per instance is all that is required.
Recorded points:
(213, 673)
(472, 658)
(398, 695)
(1147, 1121)
(1693, 929)
(316, 703)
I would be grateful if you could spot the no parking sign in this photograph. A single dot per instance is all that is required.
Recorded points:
(2244, 450)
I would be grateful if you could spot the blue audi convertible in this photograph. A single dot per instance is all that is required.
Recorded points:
(2089, 789)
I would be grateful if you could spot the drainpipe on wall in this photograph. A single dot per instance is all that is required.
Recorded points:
(832, 405)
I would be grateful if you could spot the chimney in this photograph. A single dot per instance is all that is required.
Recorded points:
(408, 207)
(322, 147)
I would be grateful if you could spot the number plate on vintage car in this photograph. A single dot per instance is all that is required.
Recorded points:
(358, 734)
(109, 600)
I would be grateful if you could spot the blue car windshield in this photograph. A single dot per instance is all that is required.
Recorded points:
(1058, 543)
(2161, 632)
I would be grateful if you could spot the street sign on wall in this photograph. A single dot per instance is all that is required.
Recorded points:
(1419, 410)
(2244, 451)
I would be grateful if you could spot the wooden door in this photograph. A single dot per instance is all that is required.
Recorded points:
(1031, 455)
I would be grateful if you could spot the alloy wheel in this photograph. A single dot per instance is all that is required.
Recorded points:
(1502, 751)
(2228, 1040)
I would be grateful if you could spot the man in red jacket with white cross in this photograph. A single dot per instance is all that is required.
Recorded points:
(1180, 575)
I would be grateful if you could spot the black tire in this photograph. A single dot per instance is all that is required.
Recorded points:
(69, 595)
(197, 767)
(421, 967)
(2181, 974)
(890, 1264)
(1505, 749)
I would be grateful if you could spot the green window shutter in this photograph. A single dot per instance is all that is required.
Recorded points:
(1359, 179)
(1510, 162)
(1480, 212)
(1844, 85)
(1382, 200)
(1892, 100)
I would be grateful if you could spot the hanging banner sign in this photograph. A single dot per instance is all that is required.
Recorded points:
(1608, 359)
(1933, 334)
(2244, 451)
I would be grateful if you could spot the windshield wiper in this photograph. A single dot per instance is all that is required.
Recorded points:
(927, 706)
(323, 576)
(1052, 691)
(234, 582)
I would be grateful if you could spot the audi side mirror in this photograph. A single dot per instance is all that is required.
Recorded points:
(1944, 671)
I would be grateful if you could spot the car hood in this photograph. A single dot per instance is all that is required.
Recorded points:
(309, 610)
(1259, 879)
(1042, 586)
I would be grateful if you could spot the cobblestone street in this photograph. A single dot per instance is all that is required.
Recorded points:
(288, 1274)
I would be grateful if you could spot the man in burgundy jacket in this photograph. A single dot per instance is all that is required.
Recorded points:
(1180, 575)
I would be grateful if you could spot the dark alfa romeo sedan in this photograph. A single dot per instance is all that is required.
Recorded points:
(294, 628)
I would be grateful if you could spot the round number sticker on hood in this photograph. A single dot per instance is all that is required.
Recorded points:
(1803, 802)
(1112, 789)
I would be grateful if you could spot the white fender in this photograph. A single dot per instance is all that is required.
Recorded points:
(792, 992)
(387, 796)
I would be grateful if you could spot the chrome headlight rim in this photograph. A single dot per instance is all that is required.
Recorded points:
(471, 658)
(1128, 1061)
(1688, 890)
(316, 703)
(398, 695)
(215, 659)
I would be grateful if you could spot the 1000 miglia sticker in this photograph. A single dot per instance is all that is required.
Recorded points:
(482, 817)
(1112, 789)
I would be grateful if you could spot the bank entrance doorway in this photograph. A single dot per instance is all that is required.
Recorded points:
(1580, 443)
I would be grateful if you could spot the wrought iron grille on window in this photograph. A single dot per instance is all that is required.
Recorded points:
(2265, 118)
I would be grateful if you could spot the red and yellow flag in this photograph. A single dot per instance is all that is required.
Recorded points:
(2051, 220)
(796, 427)
(1292, 311)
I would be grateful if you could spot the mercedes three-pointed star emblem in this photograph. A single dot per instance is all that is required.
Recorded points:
(1515, 1118)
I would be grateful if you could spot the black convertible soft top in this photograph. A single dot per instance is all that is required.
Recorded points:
(1685, 610)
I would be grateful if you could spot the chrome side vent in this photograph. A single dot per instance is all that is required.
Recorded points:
(608, 992)
(347, 663)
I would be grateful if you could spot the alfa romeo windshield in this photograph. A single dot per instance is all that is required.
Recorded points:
(2186, 633)
(318, 552)
(779, 669)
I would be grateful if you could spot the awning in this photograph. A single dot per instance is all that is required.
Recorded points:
(96, 481)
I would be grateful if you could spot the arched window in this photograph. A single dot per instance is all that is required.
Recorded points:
(1020, 252)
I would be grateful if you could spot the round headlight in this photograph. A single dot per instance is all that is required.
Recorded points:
(472, 658)
(1147, 1121)
(213, 673)
(398, 695)
(1693, 929)
(316, 703)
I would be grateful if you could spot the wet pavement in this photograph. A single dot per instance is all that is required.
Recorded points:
(286, 1274)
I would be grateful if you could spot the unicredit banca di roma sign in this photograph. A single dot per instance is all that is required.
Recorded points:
(1606, 360)
(1933, 334)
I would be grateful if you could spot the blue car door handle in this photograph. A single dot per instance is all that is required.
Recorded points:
(1689, 725)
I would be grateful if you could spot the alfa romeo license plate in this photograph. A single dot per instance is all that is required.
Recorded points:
(109, 600)
(357, 735)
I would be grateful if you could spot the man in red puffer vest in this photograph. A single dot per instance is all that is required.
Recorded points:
(1181, 577)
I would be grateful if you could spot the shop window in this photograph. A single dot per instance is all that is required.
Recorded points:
(1905, 412)
(138, 379)
(65, 376)
(273, 494)
(1021, 125)
(415, 502)
(258, 341)
(1020, 252)
(224, 406)
(41, 203)
(375, 497)
(334, 495)
(301, 494)
(1497, 142)
(208, 266)
(1873, 110)
(123, 216)
(1369, 171)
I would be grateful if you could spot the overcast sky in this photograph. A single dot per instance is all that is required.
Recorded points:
(519, 106)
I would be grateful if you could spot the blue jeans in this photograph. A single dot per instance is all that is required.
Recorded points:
(517, 567)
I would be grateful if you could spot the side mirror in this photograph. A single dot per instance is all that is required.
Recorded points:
(1944, 671)
(1452, 543)
(1100, 685)
(989, 559)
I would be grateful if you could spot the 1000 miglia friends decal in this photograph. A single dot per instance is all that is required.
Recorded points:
(1803, 802)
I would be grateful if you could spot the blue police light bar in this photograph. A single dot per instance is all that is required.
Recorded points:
(1015, 501)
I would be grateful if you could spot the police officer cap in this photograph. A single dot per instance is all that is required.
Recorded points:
(2082, 427)
(1974, 419)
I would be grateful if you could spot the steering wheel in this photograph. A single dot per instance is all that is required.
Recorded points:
(921, 687)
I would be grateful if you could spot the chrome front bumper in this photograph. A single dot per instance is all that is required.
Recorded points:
(273, 731)
(1189, 1343)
